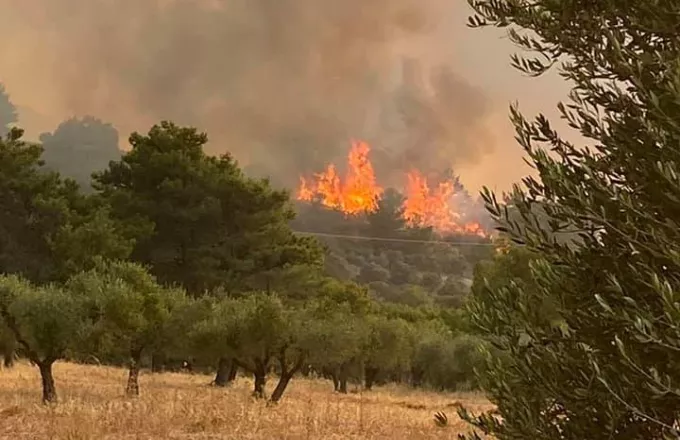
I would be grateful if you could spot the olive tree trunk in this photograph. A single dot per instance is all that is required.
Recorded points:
(223, 377)
(287, 374)
(259, 371)
(49, 390)
(370, 374)
(342, 379)
(233, 371)
(260, 377)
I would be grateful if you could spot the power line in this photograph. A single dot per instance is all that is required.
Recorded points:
(397, 240)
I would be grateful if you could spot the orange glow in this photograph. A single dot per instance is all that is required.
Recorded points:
(358, 192)
(425, 206)
(304, 192)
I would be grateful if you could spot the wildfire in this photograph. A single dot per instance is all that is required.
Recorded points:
(359, 193)
(425, 206)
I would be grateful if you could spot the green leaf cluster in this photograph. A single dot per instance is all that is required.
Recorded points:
(589, 325)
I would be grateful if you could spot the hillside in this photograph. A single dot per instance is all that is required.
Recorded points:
(413, 244)
(401, 264)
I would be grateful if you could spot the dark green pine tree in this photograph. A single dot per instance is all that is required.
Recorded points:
(212, 225)
(48, 229)
(593, 340)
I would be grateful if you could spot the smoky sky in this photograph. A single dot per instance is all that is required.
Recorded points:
(284, 85)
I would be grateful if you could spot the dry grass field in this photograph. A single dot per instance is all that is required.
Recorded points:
(183, 406)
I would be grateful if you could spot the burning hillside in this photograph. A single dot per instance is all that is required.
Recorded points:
(440, 205)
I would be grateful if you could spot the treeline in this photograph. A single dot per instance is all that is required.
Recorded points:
(117, 311)
(175, 254)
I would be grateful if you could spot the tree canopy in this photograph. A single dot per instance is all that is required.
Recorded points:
(211, 225)
(48, 229)
(49, 323)
(79, 147)
(136, 314)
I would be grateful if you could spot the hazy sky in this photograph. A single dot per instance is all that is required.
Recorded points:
(282, 84)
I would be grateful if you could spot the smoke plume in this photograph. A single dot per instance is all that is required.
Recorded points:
(282, 84)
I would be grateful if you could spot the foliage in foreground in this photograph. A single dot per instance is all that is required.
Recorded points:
(592, 329)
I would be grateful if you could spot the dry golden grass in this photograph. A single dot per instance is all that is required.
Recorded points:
(182, 406)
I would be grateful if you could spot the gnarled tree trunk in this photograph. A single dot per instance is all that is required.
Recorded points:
(233, 372)
(336, 382)
(286, 375)
(284, 380)
(132, 388)
(342, 379)
(370, 374)
(332, 374)
(48, 387)
(224, 367)
(44, 365)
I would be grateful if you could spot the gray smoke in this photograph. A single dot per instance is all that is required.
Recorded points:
(282, 84)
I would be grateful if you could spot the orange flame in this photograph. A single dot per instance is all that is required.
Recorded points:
(425, 206)
(359, 193)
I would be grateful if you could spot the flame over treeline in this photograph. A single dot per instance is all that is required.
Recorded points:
(359, 192)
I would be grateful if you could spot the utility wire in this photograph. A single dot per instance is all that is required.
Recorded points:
(397, 240)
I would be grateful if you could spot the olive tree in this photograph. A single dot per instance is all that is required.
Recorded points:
(388, 348)
(48, 323)
(136, 312)
(592, 336)
(335, 334)
(251, 330)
